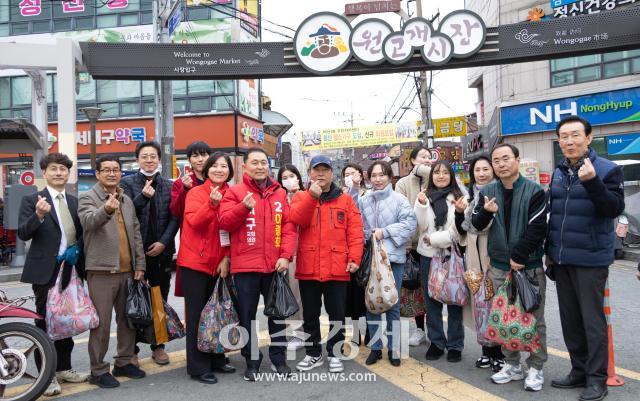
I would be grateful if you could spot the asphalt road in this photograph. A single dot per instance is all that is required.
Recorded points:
(414, 379)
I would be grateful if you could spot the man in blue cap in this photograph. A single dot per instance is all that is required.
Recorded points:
(329, 249)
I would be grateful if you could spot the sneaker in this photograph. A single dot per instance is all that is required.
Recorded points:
(496, 365)
(53, 389)
(433, 353)
(130, 371)
(251, 373)
(105, 380)
(507, 374)
(484, 362)
(534, 380)
(283, 370)
(309, 362)
(71, 376)
(160, 357)
(295, 344)
(417, 337)
(335, 365)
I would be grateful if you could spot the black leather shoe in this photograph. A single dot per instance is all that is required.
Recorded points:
(224, 369)
(594, 392)
(433, 353)
(373, 357)
(105, 380)
(206, 378)
(569, 382)
(283, 369)
(393, 361)
(251, 373)
(453, 355)
(130, 371)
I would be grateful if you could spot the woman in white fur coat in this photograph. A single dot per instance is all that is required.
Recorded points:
(440, 214)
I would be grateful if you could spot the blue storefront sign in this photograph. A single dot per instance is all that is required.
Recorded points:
(599, 109)
(560, 3)
(623, 144)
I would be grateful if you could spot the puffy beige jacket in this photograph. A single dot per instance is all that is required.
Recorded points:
(410, 186)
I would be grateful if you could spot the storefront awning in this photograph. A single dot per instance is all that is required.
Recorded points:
(275, 123)
(20, 136)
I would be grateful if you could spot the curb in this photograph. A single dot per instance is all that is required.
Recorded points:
(8, 277)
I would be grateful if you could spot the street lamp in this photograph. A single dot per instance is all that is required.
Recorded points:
(93, 114)
(428, 132)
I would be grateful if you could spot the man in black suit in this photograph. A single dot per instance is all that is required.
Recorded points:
(50, 220)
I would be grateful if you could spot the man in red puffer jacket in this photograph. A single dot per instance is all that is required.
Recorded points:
(255, 212)
(330, 248)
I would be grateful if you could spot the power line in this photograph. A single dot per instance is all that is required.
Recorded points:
(396, 98)
(238, 18)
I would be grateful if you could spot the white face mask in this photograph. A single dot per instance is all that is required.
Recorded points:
(290, 183)
(348, 181)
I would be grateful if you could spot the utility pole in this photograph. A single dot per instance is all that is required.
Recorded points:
(163, 110)
(425, 97)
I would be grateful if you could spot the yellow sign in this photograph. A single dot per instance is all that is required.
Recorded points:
(355, 137)
(449, 127)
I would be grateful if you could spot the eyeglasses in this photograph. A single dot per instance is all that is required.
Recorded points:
(109, 171)
(504, 160)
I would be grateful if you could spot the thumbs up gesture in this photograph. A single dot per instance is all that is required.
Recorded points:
(148, 190)
(215, 196)
(42, 207)
(248, 201)
(587, 171)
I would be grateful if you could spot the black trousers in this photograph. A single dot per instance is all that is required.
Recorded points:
(584, 324)
(249, 286)
(158, 273)
(63, 347)
(335, 296)
(198, 289)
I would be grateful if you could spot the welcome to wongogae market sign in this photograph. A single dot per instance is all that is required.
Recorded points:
(327, 44)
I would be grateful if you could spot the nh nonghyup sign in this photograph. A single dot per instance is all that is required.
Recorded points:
(325, 42)
(599, 109)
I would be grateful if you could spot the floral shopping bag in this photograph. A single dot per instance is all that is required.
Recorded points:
(446, 277)
(381, 293)
(218, 329)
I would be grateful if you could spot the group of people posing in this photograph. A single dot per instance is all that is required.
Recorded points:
(263, 226)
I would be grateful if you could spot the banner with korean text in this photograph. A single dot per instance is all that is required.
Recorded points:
(355, 137)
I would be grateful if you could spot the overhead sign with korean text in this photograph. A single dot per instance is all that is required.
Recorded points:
(355, 137)
(599, 109)
(372, 7)
(571, 8)
(325, 42)
(449, 127)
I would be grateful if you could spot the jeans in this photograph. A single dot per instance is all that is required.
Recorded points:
(374, 322)
(454, 340)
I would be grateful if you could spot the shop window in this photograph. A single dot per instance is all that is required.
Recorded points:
(84, 23)
(107, 90)
(62, 25)
(128, 89)
(201, 87)
(4, 10)
(149, 107)
(5, 90)
(146, 4)
(219, 11)
(6, 113)
(20, 90)
(130, 109)
(200, 104)
(179, 88)
(592, 67)
(636, 66)
(146, 18)
(22, 113)
(148, 88)
(41, 26)
(87, 90)
(4, 30)
(110, 110)
(20, 29)
(179, 106)
(51, 85)
(128, 19)
(106, 21)
(224, 103)
(616, 69)
(197, 13)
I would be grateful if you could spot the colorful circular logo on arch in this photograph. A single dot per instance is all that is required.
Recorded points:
(324, 43)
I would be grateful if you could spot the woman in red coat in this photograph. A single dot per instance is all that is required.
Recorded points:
(203, 254)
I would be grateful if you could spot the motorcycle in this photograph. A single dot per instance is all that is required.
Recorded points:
(27, 355)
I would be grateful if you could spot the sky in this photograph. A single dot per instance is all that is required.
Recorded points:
(326, 102)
